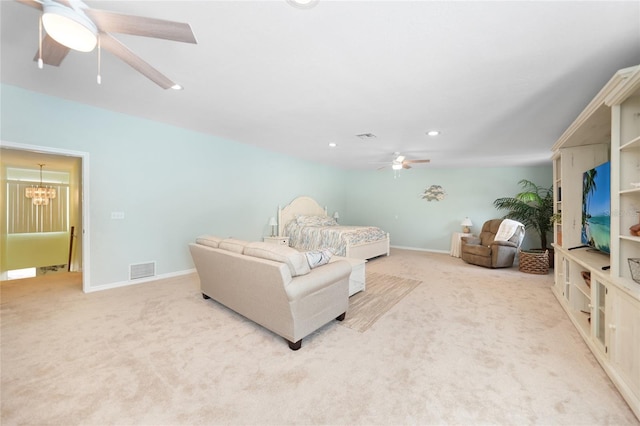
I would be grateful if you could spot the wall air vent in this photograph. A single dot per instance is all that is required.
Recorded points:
(366, 136)
(142, 270)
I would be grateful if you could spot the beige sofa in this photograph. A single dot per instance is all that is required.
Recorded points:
(272, 285)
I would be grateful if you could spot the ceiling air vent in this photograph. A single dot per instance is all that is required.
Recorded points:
(366, 136)
(142, 270)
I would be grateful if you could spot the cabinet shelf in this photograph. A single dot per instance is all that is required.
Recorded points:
(632, 144)
(630, 238)
(581, 319)
(630, 191)
(582, 288)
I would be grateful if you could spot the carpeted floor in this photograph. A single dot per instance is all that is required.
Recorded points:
(467, 346)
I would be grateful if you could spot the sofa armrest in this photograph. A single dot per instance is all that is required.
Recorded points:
(317, 279)
(504, 243)
(471, 240)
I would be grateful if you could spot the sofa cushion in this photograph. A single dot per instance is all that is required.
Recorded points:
(318, 258)
(231, 244)
(295, 260)
(209, 240)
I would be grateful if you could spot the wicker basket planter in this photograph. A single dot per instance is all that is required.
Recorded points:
(534, 262)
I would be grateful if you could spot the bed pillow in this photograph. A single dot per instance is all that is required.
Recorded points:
(295, 260)
(231, 244)
(316, 220)
(318, 258)
(209, 240)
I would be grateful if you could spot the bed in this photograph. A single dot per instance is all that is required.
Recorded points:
(309, 227)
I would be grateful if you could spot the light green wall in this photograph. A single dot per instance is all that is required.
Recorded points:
(395, 204)
(173, 184)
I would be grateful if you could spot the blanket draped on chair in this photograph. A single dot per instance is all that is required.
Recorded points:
(507, 228)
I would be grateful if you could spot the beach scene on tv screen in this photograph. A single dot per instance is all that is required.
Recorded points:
(596, 207)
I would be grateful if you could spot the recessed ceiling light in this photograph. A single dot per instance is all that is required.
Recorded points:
(332, 144)
(433, 133)
(303, 4)
(177, 87)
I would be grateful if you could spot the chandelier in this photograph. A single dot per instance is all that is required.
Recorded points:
(40, 195)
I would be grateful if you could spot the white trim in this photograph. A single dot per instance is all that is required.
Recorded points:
(142, 280)
(84, 156)
(421, 249)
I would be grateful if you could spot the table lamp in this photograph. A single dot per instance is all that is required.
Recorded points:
(336, 216)
(273, 224)
(466, 224)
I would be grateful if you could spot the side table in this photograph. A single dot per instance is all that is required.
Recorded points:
(357, 278)
(456, 242)
(283, 241)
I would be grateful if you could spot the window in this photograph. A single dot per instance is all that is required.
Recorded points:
(25, 217)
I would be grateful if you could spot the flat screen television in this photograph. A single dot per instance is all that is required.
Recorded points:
(596, 207)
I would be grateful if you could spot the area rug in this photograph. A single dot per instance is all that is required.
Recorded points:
(381, 294)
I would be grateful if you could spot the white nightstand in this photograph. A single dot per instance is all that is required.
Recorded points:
(283, 241)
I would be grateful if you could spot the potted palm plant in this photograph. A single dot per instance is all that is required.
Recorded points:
(533, 207)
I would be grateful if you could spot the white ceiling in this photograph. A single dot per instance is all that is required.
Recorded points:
(500, 80)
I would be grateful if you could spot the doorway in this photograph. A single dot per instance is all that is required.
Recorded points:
(76, 163)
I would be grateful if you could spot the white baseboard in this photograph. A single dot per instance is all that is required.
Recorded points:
(141, 280)
(421, 249)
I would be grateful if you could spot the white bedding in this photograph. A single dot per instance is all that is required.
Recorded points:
(334, 237)
(309, 227)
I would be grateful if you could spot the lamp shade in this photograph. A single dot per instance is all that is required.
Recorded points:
(336, 215)
(69, 27)
(272, 222)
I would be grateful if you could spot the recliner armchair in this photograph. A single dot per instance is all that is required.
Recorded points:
(485, 251)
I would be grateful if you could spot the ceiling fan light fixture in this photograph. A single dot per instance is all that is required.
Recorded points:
(396, 166)
(69, 27)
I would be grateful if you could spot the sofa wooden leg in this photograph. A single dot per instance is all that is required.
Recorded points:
(205, 297)
(295, 346)
(342, 316)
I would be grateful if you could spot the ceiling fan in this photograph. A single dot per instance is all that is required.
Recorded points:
(400, 162)
(71, 24)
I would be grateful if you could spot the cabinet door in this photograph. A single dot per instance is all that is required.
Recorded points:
(599, 311)
(624, 339)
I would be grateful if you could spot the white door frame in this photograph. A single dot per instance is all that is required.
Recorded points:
(84, 158)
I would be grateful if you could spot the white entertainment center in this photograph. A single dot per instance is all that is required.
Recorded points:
(606, 310)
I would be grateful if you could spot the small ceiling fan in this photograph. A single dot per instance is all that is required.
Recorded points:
(71, 24)
(400, 162)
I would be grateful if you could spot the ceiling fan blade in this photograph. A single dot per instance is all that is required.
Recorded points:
(111, 22)
(121, 51)
(52, 52)
(33, 3)
(417, 161)
(405, 166)
(399, 159)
